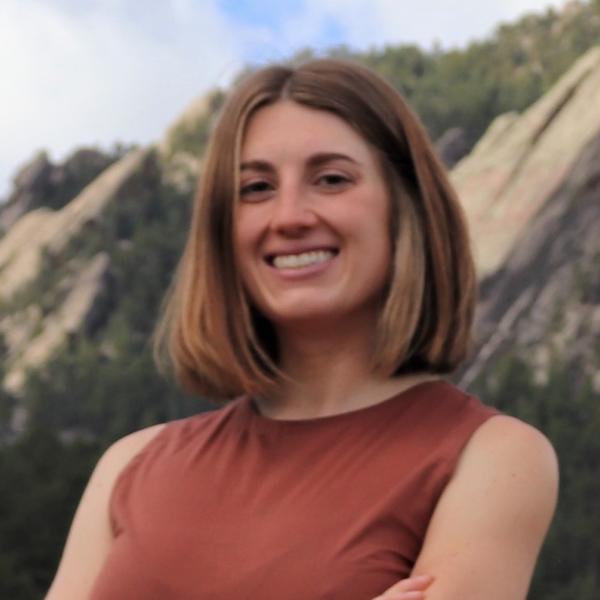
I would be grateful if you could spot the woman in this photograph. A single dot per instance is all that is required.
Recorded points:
(326, 285)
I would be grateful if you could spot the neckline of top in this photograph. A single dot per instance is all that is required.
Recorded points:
(252, 413)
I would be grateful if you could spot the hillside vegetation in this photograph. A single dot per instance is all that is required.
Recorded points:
(469, 87)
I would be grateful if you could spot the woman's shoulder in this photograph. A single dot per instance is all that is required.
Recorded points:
(486, 442)
(504, 440)
(121, 452)
(514, 458)
(90, 536)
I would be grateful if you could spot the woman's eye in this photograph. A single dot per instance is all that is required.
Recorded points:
(254, 187)
(333, 180)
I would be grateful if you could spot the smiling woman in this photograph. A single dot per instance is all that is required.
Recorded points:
(325, 288)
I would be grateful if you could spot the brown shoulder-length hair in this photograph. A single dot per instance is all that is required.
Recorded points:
(219, 346)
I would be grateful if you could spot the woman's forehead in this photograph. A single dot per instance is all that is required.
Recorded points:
(288, 129)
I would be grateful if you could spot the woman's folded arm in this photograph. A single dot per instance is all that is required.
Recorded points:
(488, 527)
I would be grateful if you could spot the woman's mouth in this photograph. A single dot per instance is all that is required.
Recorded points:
(301, 260)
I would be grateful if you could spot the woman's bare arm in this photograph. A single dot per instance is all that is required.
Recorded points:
(488, 527)
(90, 537)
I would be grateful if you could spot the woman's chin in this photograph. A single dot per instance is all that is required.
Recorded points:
(316, 318)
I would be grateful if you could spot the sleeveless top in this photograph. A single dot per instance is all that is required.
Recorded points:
(231, 505)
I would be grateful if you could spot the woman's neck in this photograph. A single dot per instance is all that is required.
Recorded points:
(330, 373)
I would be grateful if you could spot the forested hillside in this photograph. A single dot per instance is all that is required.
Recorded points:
(99, 383)
(468, 87)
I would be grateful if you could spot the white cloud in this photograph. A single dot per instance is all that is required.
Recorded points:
(74, 76)
(368, 23)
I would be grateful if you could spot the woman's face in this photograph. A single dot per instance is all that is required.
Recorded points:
(311, 228)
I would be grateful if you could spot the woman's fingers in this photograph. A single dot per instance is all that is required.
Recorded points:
(416, 595)
(406, 596)
(411, 588)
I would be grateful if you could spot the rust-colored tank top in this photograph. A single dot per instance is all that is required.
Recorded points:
(231, 505)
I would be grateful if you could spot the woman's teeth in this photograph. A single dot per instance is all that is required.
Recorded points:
(297, 261)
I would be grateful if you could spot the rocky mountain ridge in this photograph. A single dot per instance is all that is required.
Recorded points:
(523, 159)
(522, 166)
(34, 244)
(40, 182)
(544, 301)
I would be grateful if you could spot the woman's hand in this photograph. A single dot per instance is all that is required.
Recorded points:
(412, 588)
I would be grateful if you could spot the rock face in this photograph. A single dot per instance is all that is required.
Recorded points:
(30, 185)
(32, 339)
(524, 159)
(32, 334)
(41, 183)
(531, 191)
(545, 300)
(45, 230)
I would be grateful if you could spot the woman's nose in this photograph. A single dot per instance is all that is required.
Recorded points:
(292, 211)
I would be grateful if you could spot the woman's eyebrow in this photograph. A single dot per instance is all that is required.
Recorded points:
(256, 165)
(315, 160)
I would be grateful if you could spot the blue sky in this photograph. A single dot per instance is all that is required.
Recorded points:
(93, 72)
